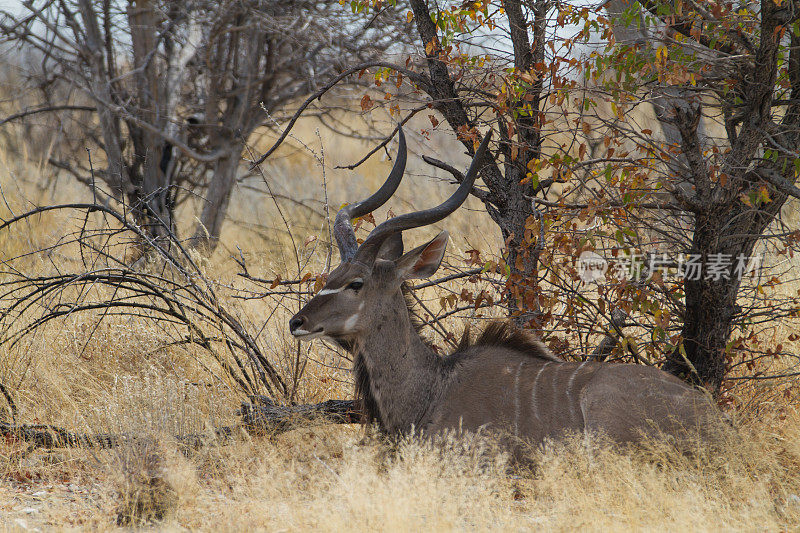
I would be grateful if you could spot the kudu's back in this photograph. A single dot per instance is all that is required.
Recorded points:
(533, 395)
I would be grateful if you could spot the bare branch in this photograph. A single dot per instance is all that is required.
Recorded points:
(48, 109)
(458, 175)
(414, 76)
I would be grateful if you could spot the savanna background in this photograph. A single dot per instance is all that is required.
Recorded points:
(141, 375)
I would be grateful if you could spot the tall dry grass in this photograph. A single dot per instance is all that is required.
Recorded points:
(119, 378)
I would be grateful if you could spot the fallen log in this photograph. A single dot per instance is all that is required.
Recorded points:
(50, 437)
(47, 436)
(262, 416)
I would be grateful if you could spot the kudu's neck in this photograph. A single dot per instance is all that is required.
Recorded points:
(403, 375)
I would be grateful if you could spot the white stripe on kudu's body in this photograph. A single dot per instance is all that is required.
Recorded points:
(534, 405)
(504, 380)
(517, 399)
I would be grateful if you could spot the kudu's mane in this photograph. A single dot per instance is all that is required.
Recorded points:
(499, 333)
(503, 334)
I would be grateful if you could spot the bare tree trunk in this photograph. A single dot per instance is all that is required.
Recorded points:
(208, 229)
(117, 175)
(524, 248)
(507, 199)
(150, 200)
(710, 310)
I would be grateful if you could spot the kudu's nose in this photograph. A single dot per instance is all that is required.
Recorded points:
(296, 322)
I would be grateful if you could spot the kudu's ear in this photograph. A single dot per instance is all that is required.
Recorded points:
(392, 248)
(424, 260)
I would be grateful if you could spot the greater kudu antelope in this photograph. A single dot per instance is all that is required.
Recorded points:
(505, 380)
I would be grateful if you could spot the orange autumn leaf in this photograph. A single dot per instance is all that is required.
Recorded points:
(366, 103)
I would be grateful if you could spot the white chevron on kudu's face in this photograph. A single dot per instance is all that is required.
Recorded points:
(505, 380)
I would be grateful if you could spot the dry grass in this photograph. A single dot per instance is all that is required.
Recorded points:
(120, 379)
(328, 478)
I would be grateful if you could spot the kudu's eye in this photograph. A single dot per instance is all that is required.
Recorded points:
(355, 284)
